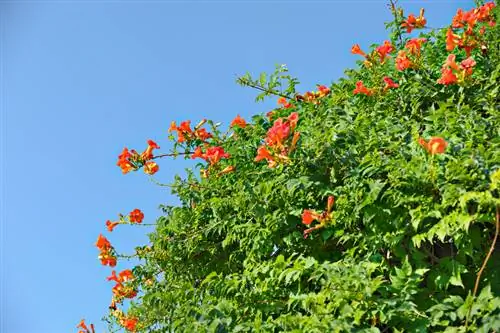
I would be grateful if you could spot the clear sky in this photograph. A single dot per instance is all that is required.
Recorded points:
(82, 79)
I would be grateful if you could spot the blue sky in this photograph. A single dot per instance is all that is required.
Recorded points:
(81, 80)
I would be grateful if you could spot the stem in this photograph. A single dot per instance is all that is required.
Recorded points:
(172, 154)
(259, 87)
(492, 248)
(178, 185)
(394, 11)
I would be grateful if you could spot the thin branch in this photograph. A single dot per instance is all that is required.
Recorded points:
(492, 248)
(394, 11)
(258, 87)
(172, 154)
(178, 185)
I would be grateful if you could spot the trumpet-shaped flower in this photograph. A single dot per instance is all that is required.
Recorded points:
(435, 145)
(361, 89)
(402, 61)
(239, 122)
(389, 83)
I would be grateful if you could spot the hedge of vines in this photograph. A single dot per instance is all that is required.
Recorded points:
(368, 205)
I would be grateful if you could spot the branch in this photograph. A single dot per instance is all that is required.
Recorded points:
(492, 248)
(172, 154)
(250, 84)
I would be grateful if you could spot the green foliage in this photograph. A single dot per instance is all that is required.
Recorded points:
(410, 230)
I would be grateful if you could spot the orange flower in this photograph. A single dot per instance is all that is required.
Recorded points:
(238, 121)
(185, 126)
(126, 166)
(84, 328)
(111, 225)
(136, 216)
(202, 134)
(151, 168)
(467, 65)
(323, 90)
(447, 77)
(414, 45)
(107, 258)
(384, 49)
(129, 323)
(451, 40)
(214, 154)
(121, 291)
(483, 13)
(450, 62)
(447, 72)
(184, 131)
(198, 153)
(148, 153)
(125, 154)
(106, 251)
(284, 102)
(361, 89)
(123, 276)
(435, 145)
(153, 144)
(293, 119)
(295, 139)
(126, 275)
(173, 126)
(103, 243)
(124, 162)
(308, 216)
(227, 169)
(402, 61)
(413, 22)
(278, 133)
(82, 325)
(113, 277)
(389, 83)
(355, 49)
(263, 154)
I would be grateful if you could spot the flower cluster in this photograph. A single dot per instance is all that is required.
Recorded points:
(308, 216)
(212, 154)
(409, 57)
(450, 70)
(84, 328)
(309, 96)
(470, 38)
(378, 56)
(133, 161)
(186, 134)
(135, 216)
(362, 89)
(129, 323)
(277, 147)
(413, 22)
(314, 96)
(106, 251)
(122, 290)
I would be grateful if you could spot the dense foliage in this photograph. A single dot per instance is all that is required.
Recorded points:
(371, 205)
